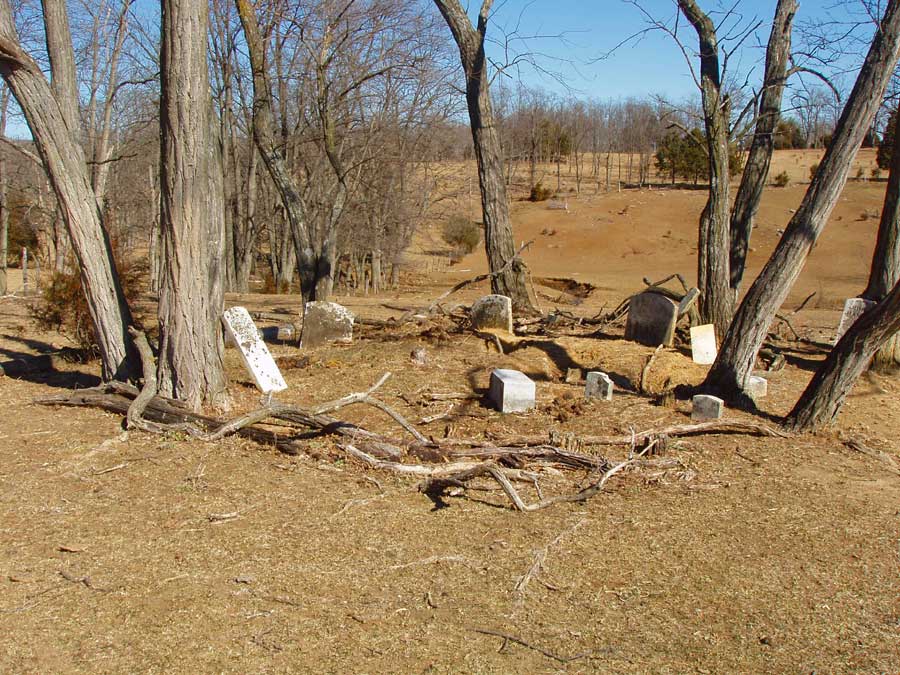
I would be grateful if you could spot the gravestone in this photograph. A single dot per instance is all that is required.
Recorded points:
(573, 375)
(651, 319)
(853, 309)
(598, 385)
(511, 391)
(757, 387)
(703, 344)
(256, 357)
(325, 322)
(277, 333)
(688, 301)
(706, 408)
(492, 311)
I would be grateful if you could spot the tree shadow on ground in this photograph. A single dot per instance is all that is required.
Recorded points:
(41, 368)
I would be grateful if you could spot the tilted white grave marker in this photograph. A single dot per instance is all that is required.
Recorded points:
(257, 359)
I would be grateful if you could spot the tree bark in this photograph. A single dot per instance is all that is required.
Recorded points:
(741, 344)
(716, 299)
(64, 161)
(821, 402)
(498, 237)
(759, 158)
(192, 209)
(63, 82)
(4, 204)
(885, 270)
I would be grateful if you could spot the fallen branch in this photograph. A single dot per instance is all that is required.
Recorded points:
(519, 641)
(540, 557)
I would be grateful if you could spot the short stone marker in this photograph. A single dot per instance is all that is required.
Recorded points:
(257, 359)
(707, 408)
(573, 375)
(276, 333)
(492, 311)
(511, 391)
(688, 301)
(598, 385)
(853, 309)
(651, 319)
(757, 387)
(325, 322)
(703, 344)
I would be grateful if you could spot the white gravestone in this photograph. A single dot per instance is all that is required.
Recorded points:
(242, 331)
(707, 408)
(598, 385)
(757, 387)
(511, 391)
(703, 344)
(853, 309)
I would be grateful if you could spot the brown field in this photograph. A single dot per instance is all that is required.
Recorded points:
(753, 555)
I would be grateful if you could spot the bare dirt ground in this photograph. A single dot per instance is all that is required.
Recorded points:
(160, 554)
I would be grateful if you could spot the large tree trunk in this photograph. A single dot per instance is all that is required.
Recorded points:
(821, 402)
(64, 161)
(756, 170)
(191, 298)
(264, 136)
(739, 350)
(885, 270)
(716, 299)
(498, 238)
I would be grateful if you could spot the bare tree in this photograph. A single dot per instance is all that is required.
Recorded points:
(737, 355)
(191, 296)
(4, 190)
(498, 237)
(49, 117)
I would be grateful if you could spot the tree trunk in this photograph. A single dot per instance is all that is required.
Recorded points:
(716, 300)
(756, 170)
(264, 136)
(64, 82)
(4, 204)
(821, 402)
(498, 237)
(64, 161)
(741, 344)
(885, 269)
(191, 298)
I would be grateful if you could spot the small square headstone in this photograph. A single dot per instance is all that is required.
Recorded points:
(256, 357)
(651, 319)
(511, 391)
(707, 408)
(325, 322)
(598, 385)
(853, 309)
(757, 387)
(573, 375)
(492, 312)
(703, 344)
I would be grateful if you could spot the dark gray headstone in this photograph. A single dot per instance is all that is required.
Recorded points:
(651, 320)
(492, 312)
(325, 322)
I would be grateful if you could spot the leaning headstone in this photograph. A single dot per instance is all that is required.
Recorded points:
(242, 331)
(325, 322)
(688, 301)
(598, 385)
(707, 408)
(757, 387)
(511, 391)
(853, 309)
(492, 311)
(703, 344)
(651, 319)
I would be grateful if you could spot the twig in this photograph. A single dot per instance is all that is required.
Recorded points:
(519, 641)
(540, 557)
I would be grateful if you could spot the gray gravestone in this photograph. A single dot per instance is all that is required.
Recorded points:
(688, 301)
(757, 387)
(853, 309)
(511, 391)
(492, 311)
(598, 385)
(256, 357)
(651, 320)
(707, 408)
(325, 322)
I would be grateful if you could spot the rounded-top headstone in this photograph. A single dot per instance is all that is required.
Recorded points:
(325, 322)
(492, 312)
(651, 319)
